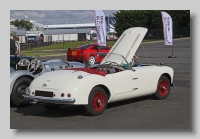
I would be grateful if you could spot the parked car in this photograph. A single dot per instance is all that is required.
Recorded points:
(114, 79)
(77, 54)
(24, 69)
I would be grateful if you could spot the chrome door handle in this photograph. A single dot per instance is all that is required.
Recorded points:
(135, 88)
(134, 78)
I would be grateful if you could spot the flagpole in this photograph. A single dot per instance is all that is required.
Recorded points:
(172, 56)
(167, 31)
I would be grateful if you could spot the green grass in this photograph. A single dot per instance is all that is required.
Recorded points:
(41, 50)
(66, 45)
(42, 53)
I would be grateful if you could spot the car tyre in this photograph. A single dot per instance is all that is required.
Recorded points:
(97, 101)
(18, 90)
(51, 106)
(91, 60)
(163, 88)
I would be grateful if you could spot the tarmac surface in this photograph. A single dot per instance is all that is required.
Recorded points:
(145, 113)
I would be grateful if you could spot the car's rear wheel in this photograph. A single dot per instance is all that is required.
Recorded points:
(91, 60)
(97, 101)
(51, 106)
(163, 88)
(18, 90)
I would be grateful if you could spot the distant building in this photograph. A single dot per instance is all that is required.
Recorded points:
(68, 32)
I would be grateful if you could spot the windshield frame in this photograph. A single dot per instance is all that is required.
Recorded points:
(104, 60)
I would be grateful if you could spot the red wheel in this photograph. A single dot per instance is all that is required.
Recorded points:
(163, 88)
(97, 101)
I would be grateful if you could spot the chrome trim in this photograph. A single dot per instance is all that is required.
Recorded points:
(27, 90)
(36, 99)
(134, 78)
(80, 77)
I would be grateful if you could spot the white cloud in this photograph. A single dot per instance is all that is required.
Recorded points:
(48, 17)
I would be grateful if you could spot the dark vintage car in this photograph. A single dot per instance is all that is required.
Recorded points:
(79, 53)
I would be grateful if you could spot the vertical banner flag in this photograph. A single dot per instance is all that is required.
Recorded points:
(25, 16)
(100, 24)
(167, 28)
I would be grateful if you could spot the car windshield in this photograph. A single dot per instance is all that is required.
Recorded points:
(107, 58)
(85, 46)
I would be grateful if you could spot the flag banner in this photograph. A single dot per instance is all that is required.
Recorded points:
(167, 28)
(100, 24)
(110, 21)
(25, 16)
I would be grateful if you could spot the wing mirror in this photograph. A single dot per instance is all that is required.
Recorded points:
(161, 64)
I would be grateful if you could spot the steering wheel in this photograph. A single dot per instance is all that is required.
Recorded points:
(32, 65)
(110, 64)
(24, 62)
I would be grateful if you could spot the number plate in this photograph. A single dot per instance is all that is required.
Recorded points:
(43, 93)
(73, 53)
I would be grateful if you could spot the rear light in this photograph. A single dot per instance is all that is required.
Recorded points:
(33, 93)
(54, 95)
(69, 95)
(62, 95)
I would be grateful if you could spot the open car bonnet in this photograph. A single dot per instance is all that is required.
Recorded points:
(128, 43)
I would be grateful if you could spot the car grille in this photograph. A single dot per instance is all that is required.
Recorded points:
(43, 93)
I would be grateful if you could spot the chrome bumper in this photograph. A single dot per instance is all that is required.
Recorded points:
(41, 99)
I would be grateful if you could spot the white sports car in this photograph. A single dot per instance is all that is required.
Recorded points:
(114, 79)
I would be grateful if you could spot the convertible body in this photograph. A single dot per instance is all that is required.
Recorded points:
(114, 79)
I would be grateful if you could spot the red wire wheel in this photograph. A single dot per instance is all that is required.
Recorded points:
(97, 101)
(163, 88)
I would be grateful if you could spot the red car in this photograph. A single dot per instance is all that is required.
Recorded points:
(76, 54)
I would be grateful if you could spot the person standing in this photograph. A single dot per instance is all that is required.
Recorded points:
(133, 60)
(34, 40)
(17, 45)
(12, 47)
(41, 40)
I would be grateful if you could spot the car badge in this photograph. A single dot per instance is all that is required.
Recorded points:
(44, 85)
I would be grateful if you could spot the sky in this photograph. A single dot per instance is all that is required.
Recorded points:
(52, 17)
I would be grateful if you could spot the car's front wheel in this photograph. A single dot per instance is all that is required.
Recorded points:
(163, 88)
(91, 60)
(18, 90)
(97, 101)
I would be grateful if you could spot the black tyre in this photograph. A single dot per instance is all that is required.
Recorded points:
(18, 90)
(91, 60)
(97, 101)
(51, 106)
(163, 88)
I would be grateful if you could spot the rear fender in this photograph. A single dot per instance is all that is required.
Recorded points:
(16, 75)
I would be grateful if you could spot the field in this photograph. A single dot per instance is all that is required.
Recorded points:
(59, 47)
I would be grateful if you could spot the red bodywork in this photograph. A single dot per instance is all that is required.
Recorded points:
(91, 71)
(76, 54)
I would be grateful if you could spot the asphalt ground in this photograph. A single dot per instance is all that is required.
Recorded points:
(145, 113)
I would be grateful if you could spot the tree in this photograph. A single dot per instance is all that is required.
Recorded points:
(20, 23)
(150, 19)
